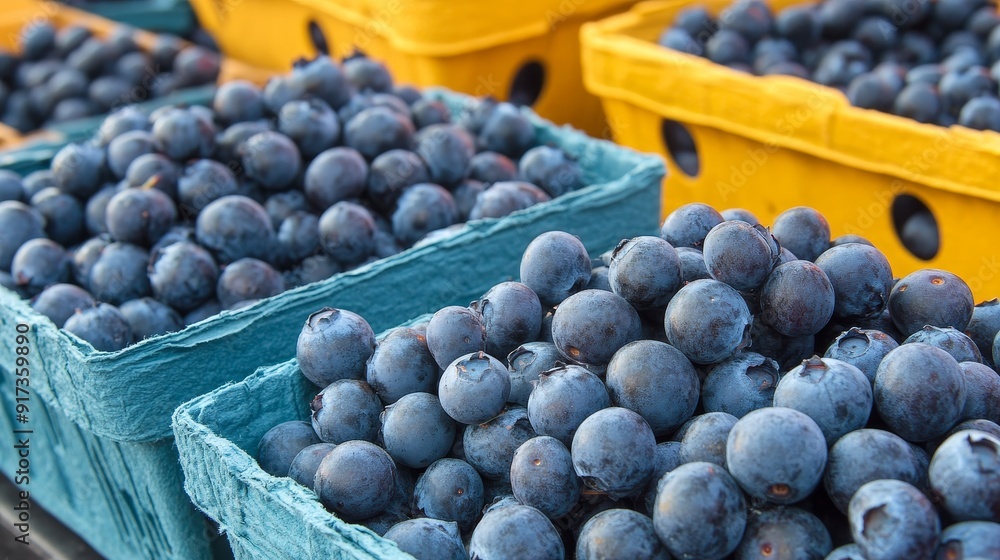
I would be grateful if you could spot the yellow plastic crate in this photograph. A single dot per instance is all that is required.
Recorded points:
(770, 143)
(17, 14)
(464, 45)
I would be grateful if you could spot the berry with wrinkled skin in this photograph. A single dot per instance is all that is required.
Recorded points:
(490, 447)
(402, 364)
(645, 271)
(740, 254)
(511, 314)
(346, 410)
(526, 364)
(740, 384)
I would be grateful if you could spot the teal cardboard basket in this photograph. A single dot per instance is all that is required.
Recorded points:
(109, 468)
(164, 16)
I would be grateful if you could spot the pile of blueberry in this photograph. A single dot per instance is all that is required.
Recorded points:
(723, 390)
(65, 74)
(164, 220)
(931, 61)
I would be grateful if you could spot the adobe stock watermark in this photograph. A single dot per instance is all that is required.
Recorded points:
(757, 157)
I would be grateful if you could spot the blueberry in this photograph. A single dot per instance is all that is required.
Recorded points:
(352, 497)
(96, 210)
(271, 159)
(613, 452)
(368, 100)
(235, 227)
(728, 46)
(542, 476)
(36, 181)
(312, 269)
(334, 344)
(555, 265)
(474, 388)
(515, 531)
(919, 101)
(750, 18)
(417, 431)
(928, 73)
(428, 539)
(311, 124)
(981, 113)
(84, 256)
(562, 398)
(322, 78)
(680, 40)
(952, 341)
(740, 384)
(346, 410)
(688, 225)
(511, 314)
(148, 318)
(506, 131)
(700, 511)
(37, 40)
(298, 236)
(183, 275)
(377, 130)
(877, 33)
(797, 299)
(959, 87)
(803, 231)
(708, 321)
(919, 391)
(391, 172)
(77, 169)
(892, 519)
(861, 279)
(782, 529)
(154, 170)
(140, 216)
(229, 143)
(641, 375)
(970, 539)
(776, 454)
(126, 148)
(930, 297)
(402, 364)
(450, 490)
(202, 182)
(695, 20)
(59, 302)
(739, 254)
(367, 74)
(599, 279)
(421, 209)
(238, 101)
(428, 112)
(453, 332)
(306, 462)
(551, 169)
(21, 224)
(865, 455)
(526, 364)
(447, 150)
(591, 325)
(335, 175)
(964, 472)
(862, 348)
(645, 271)
(346, 232)
(63, 215)
(982, 387)
(181, 135)
(491, 167)
(490, 447)
(284, 204)
(504, 198)
(103, 326)
(619, 533)
(837, 395)
(248, 278)
(983, 327)
(119, 274)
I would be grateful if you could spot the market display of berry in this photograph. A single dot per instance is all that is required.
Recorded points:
(933, 62)
(771, 394)
(59, 75)
(167, 219)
